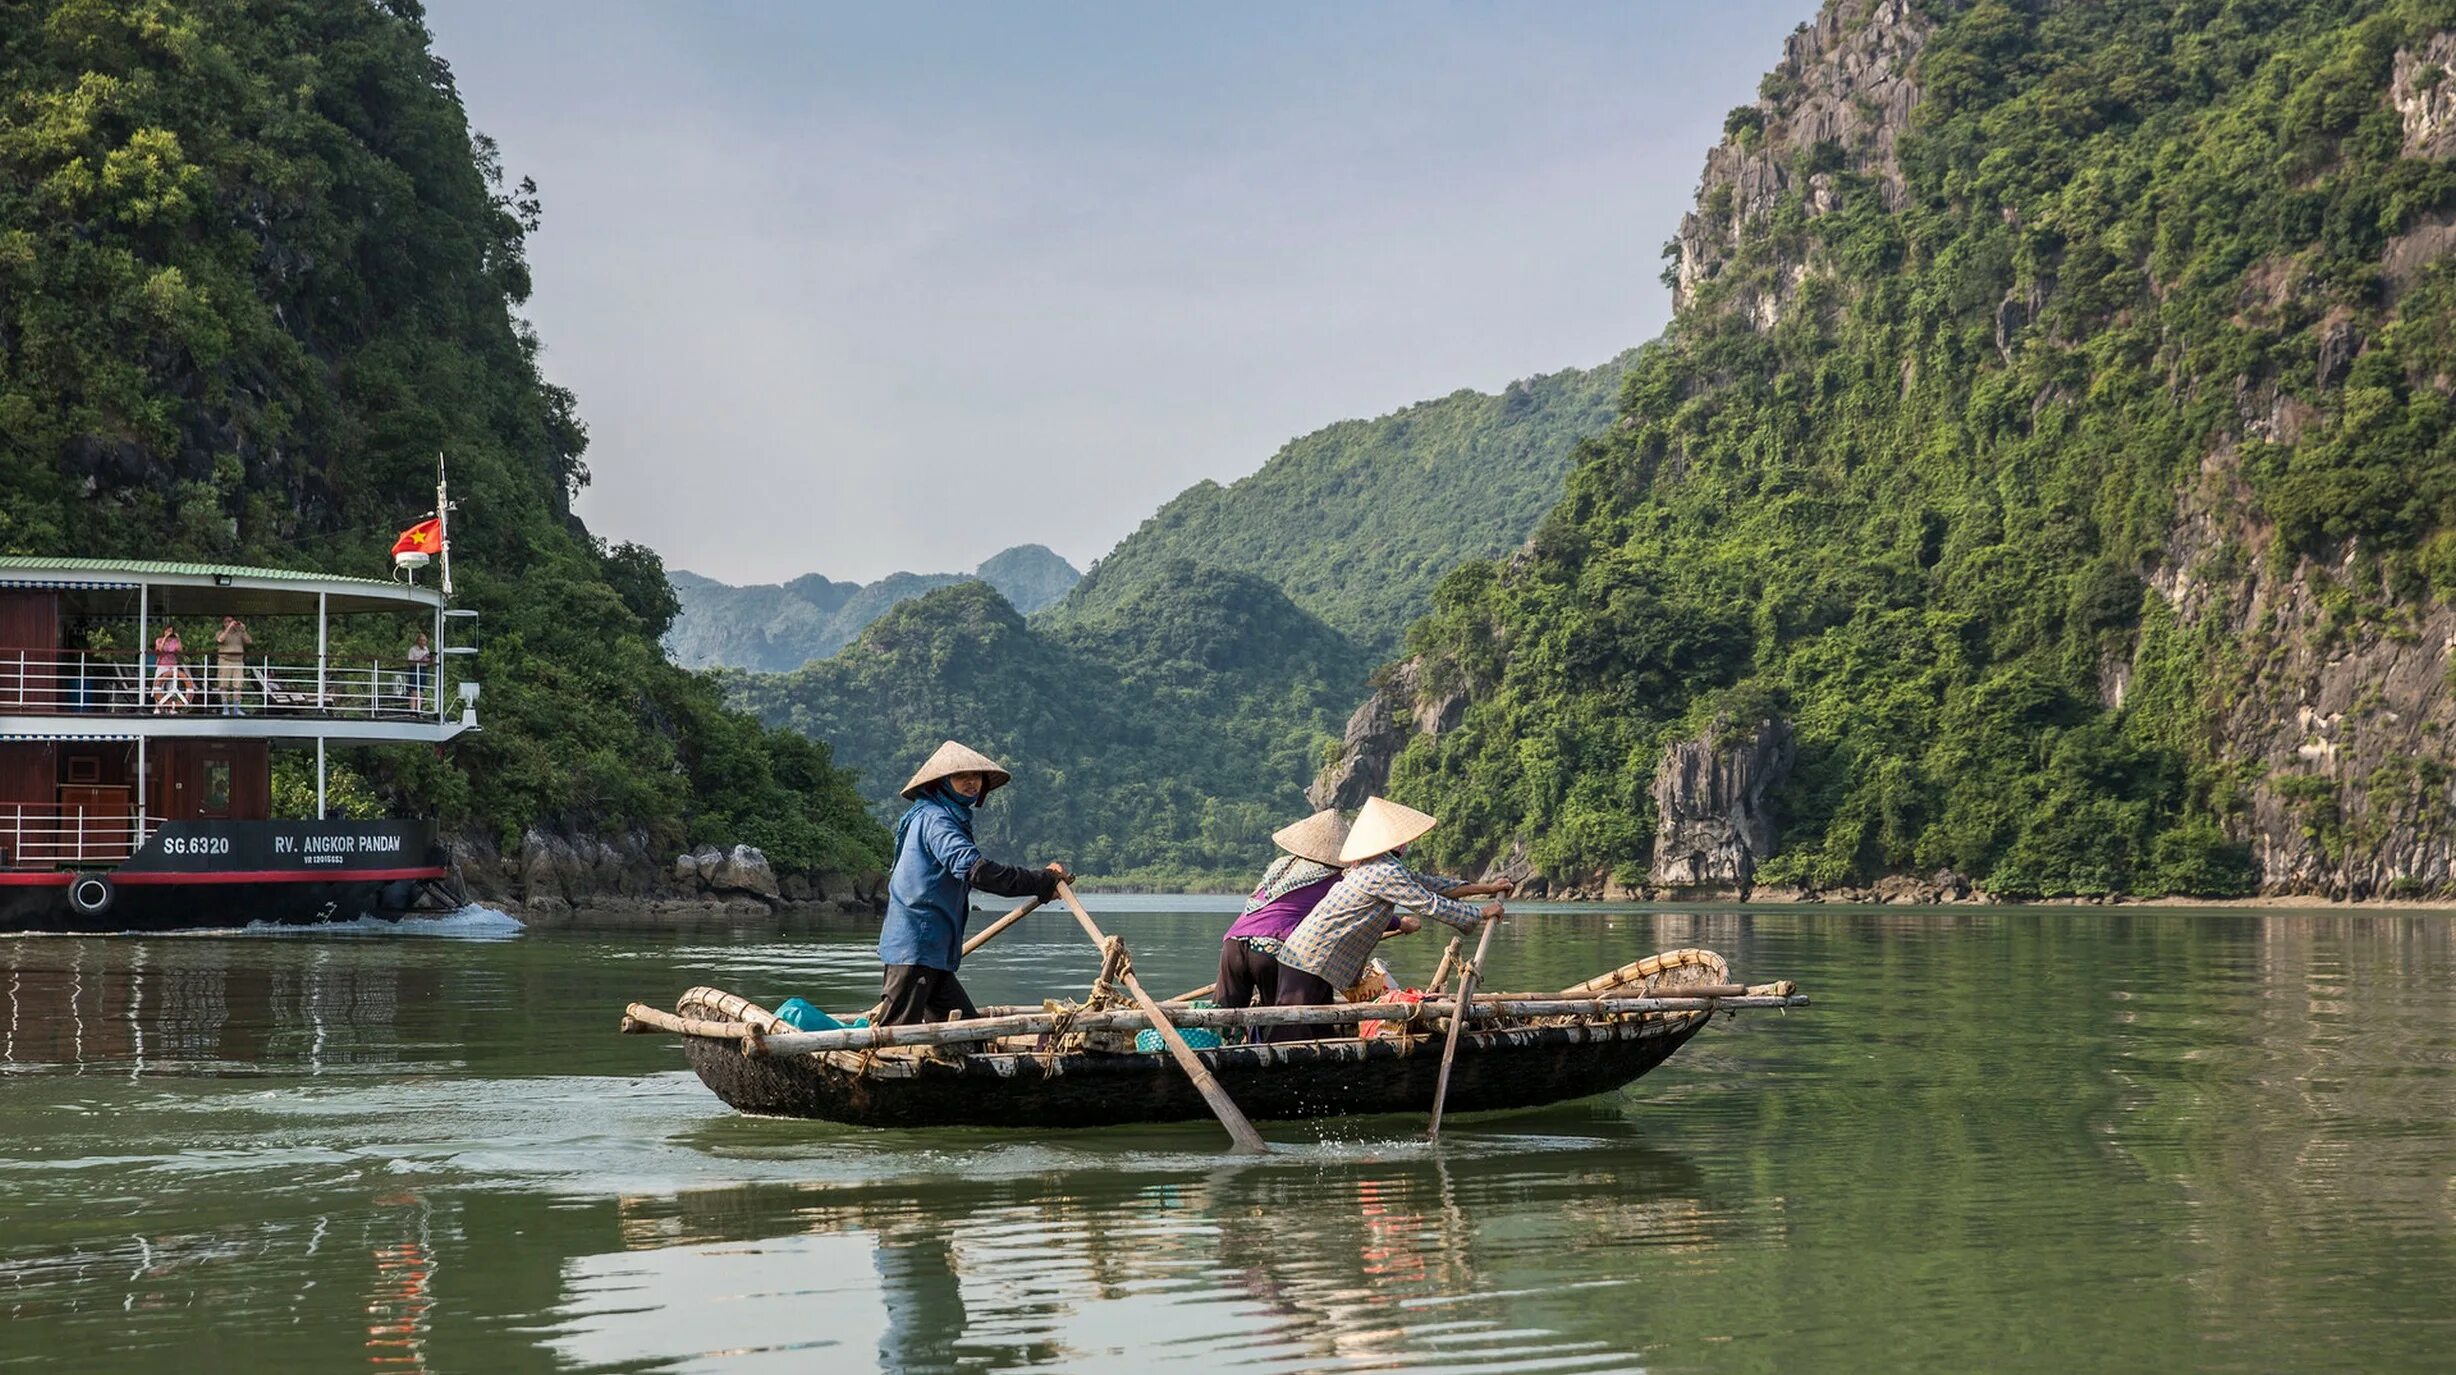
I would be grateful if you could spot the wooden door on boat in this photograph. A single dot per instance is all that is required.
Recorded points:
(27, 772)
(29, 651)
(214, 780)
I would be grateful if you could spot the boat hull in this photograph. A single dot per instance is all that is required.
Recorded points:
(1518, 1067)
(209, 875)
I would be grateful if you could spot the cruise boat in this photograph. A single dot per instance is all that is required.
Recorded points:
(137, 781)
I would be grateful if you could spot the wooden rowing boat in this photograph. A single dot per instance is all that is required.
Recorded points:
(1075, 1067)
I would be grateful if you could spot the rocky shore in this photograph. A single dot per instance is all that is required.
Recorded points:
(556, 877)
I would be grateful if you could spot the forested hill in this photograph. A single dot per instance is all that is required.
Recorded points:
(1356, 522)
(255, 274)
(1161, 743)
(2048, 477)
(777, 627)
(1168, 713)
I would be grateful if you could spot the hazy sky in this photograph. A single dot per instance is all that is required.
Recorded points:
(848, 289)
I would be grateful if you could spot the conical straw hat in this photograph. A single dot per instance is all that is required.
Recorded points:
(953, 758)
(1381, 827)
(1315, 838)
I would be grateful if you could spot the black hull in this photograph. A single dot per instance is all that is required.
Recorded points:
(207, 907)
(216, 875)
(1514, 1068)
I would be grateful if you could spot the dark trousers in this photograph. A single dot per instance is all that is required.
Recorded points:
(1247, 977)
(916, 993)
(1300, 989)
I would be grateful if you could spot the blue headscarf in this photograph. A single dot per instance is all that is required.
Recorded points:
(939, 796)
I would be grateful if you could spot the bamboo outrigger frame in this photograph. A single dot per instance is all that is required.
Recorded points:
(1069, 1066)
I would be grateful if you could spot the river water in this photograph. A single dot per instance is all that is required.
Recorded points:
(2009, 1139)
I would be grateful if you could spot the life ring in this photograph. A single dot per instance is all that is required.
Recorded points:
(91, 894)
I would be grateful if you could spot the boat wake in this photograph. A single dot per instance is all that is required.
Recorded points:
(471, 923)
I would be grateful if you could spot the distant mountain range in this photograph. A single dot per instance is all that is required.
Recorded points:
(778, 627)
(1165, 715)
(1161, 742)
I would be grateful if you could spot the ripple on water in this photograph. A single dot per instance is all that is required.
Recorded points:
(2076, 1139)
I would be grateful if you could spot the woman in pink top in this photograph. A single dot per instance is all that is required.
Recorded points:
(1249, 954)
(171, 681)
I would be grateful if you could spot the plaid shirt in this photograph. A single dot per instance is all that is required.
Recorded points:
(1337, 937)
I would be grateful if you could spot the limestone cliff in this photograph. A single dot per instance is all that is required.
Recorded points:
(1713, 805)
(1841, 98)
(2051, 447)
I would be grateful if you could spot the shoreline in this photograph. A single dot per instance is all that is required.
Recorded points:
(2291, 902)
(644, 913)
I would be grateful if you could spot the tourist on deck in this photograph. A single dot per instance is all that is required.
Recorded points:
(421, 660)
(230, 646)
(1377, 896)
(171, 681)
(1249, 953)
(929, 891)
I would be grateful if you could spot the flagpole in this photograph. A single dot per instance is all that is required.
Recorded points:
(443, 522)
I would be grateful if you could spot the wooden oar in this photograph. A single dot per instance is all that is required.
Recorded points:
(1240, 1131)
(1001, 924)
(1468, 976)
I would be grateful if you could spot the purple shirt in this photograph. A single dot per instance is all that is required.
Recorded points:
(1276, 918)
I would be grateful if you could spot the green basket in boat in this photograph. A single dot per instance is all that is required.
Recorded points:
(1196, 1037)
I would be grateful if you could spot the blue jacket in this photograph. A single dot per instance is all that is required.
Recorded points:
(929, 893)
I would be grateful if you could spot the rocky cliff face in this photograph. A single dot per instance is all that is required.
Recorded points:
(1400, 709)
(2244, 528)
(2343, 724)
(2338, 706)
(557, 874)
(2425, 98)
(1712, 802)
(1840, 100)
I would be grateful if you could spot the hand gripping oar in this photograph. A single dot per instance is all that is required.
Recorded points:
(1469, 975)
(1240, 1131)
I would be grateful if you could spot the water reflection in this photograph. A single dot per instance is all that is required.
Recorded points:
(1325, 1262)
(2102, 1137)
(189, 1007)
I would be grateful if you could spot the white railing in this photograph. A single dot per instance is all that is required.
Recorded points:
(83, 682)
(42, 835)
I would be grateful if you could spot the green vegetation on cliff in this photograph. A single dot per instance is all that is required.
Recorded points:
(1163, 742)
(255, 274)
(1922, 497)
(1168, 713)
(1358, 521)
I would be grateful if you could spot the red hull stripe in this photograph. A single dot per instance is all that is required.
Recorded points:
(45, 880)
(282, 876)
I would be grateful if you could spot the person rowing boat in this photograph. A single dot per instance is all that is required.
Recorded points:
(929, 892)
(1298, 879)
(1378, 895)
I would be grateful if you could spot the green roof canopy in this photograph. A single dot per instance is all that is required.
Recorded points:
(101, 586)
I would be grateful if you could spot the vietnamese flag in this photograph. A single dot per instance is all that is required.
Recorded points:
(425, 537)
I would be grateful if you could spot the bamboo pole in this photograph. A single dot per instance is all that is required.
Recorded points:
(1441, 971)
(640, 1019)
(991, 930)
(1468, 974)
(1191, 994)
(1485, 1008)
(1240, 1131)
